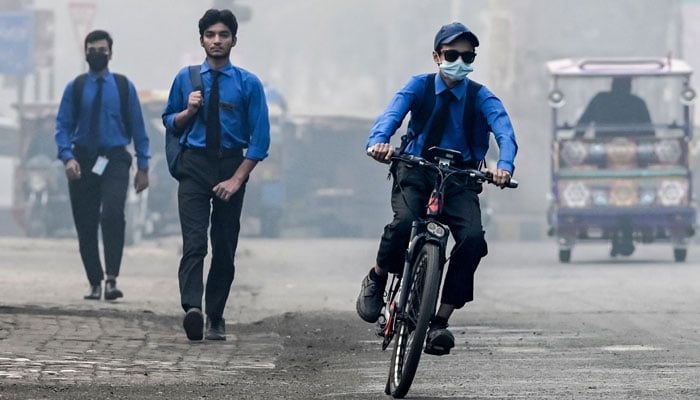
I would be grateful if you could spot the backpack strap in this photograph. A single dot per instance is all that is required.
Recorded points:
(196, 77)
(470, 113)
(174, 141)
(428, 103)
(196, 80)
(78, 87)
(123, 88)
(426, 108)
(423, 112)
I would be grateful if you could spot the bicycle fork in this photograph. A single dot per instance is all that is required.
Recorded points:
(422, 231)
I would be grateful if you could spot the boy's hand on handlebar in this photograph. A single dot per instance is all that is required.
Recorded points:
(381, 152)
(501, 178)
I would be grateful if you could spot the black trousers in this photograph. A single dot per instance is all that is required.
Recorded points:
(460, 211)
(197, 206)
(98, 202)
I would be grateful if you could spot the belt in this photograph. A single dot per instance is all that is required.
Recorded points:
(221, 153)
(101, 151)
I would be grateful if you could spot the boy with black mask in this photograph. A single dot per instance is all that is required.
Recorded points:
(98, 117)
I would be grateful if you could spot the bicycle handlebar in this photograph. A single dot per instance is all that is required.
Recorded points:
(480, 176)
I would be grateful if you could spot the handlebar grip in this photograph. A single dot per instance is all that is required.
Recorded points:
(488, 176)
(370, 151)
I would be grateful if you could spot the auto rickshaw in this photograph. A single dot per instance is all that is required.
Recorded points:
(621, 172)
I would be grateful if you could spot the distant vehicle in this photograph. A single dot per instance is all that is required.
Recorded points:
(624, 180)
(162, 216)
(332, 188)
(9, 138)
(8, 155)
(265, 200)
(41, 204)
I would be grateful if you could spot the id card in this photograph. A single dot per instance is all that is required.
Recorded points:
(100, 165)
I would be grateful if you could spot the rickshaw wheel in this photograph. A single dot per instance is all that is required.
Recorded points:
(680, 254)
(564, 255)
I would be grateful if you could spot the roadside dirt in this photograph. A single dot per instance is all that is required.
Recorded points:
(315, 347)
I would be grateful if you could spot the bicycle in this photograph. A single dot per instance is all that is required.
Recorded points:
(411, 300)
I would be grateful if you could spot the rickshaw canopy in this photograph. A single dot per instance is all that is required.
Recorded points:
(618, 66)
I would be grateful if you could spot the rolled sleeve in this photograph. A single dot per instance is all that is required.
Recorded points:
(258, 122)
(176, 102)
(169, 121)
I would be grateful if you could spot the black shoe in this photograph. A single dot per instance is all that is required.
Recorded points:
(95, 293)
(439, 341)
(371, 300)
(194, 324)
(216, 329)
(111, 291)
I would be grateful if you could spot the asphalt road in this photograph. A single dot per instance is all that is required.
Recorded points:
(593, 329)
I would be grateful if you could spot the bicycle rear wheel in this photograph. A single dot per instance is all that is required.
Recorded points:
(411, 330)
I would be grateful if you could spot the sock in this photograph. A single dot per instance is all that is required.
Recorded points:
(439, 322)
(375, 277)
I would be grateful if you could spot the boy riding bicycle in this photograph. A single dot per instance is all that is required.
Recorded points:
(450, 111)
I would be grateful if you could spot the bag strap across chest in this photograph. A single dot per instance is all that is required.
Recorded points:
(122, 87)
(428, 104)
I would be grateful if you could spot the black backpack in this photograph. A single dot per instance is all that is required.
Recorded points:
(173, 148)
(122, 87)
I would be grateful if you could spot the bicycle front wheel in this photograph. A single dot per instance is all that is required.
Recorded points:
(412, 328)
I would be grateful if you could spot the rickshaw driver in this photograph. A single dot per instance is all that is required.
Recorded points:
(616, 107)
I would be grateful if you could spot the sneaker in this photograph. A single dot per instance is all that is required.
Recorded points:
(370, 301)
(439, 341)
(216, 329)
(193, 324)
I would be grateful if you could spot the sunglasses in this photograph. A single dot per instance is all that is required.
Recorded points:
(452, 55)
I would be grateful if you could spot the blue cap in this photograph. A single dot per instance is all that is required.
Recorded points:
(448, 33)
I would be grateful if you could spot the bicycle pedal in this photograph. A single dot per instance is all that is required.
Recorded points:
(380, 329)
(381, 325)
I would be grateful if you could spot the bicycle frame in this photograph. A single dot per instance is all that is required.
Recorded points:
(412, 298)
(423, 230)
(420, 235)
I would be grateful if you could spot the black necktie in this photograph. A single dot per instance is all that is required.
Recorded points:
(438, 122)
(94, 135)
(213, 124)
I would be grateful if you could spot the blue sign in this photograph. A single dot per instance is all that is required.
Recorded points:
(16, 43)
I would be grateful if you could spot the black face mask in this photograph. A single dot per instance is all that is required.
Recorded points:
(97, 61)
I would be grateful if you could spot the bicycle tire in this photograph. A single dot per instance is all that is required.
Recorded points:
(422, 299)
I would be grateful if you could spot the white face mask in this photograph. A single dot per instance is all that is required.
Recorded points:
(456, 70)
